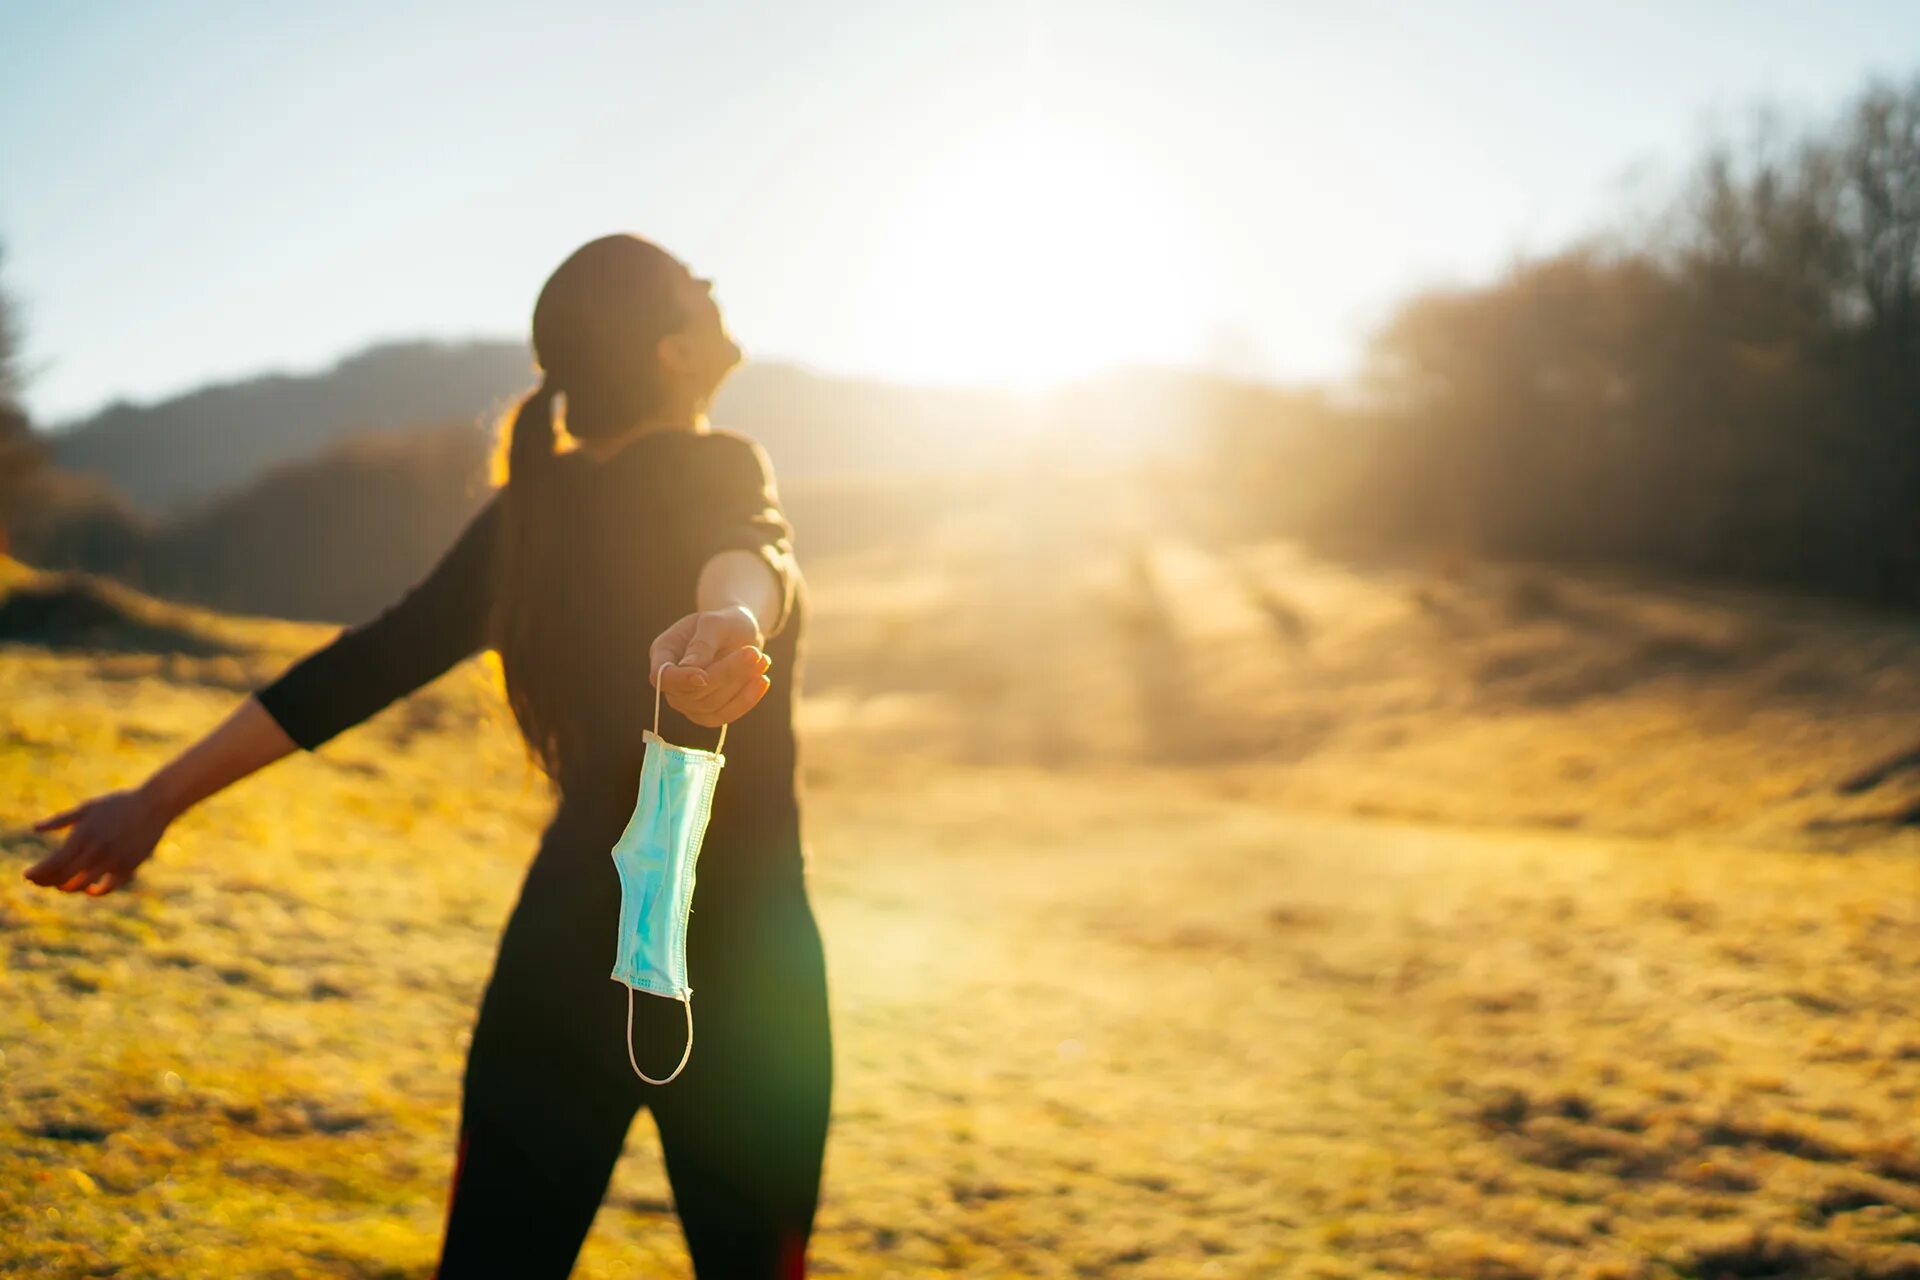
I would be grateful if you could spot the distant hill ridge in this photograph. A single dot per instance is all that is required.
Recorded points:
(173, 455)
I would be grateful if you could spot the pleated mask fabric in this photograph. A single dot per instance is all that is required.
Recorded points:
(656, 856)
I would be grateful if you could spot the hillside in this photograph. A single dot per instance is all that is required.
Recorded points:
(170, 455)
(1073, 622)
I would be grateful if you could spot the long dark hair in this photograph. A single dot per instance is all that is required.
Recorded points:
(596, 329)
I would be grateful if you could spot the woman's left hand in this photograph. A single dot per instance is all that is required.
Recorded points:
(108, 838)
(718, 669)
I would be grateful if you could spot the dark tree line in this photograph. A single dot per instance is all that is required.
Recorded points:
(22, 458)
(48, 516)
(1732, 391)
(333, 537)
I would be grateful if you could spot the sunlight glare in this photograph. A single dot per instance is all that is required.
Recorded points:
(1033, 252)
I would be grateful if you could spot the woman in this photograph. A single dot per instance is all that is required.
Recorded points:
(653, 525)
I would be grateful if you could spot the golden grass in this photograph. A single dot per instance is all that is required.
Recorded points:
(1118, 988)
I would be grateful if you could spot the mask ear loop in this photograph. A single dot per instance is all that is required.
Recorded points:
(684, 1054)
(656, 707)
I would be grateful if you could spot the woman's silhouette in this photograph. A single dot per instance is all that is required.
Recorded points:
(653, 539)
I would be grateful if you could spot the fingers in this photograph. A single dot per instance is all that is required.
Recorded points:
(57, 866)
(670, 646)
(719, 631)
(739, 667)
(691, 690)
(681, 684)
(725, 679)
(74, 865)
(744, 701)
(704, 647)
(60, 865)
(697, 639)
(79, 867)
(66, 873)
(108, 882)
(61, 819)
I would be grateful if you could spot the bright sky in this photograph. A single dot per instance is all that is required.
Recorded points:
(994, 192)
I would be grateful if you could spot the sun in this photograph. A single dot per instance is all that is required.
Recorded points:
(1032, 252)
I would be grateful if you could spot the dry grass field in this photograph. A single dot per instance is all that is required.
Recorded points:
(1191, 910)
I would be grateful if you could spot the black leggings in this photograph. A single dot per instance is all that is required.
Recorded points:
(549, 1092)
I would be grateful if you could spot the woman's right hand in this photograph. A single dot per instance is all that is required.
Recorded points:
(710, 666)
(109, 837)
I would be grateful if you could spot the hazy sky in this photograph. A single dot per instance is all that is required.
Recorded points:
(986, 192)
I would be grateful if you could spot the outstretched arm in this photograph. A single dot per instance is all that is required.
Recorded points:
(440, 620)
(436, 623)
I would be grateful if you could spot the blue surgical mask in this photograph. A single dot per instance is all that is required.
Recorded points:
(655, 856)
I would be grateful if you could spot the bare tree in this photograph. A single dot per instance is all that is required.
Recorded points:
(1877, 157)
(1732, 392)
(22, 456)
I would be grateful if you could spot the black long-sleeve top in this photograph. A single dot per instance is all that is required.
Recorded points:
(639, 526)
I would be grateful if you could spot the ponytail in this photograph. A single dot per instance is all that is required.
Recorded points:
(533, 440)
(525, 468)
